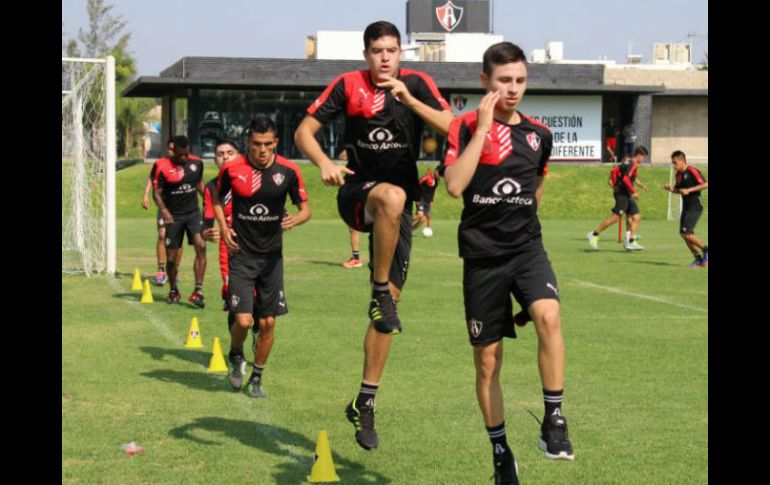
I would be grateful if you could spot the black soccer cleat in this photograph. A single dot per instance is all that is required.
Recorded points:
(554, 440)
(363, 422)
(382, 312)
(255, 387)
(506, 470)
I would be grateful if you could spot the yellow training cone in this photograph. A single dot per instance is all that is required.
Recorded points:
(136, 283)
(194, 335)
(217, 363)
(323, 466)
(146, 293)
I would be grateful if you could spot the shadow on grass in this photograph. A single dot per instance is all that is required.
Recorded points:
(157, 298)
(655, 263)
(323, 263)
(201, 380)
(198, 357)
(275, 440)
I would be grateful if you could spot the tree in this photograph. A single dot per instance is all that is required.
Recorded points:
(103, 27)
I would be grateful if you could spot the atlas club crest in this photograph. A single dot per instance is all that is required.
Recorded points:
(449, 15)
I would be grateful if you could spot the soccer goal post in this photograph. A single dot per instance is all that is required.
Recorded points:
(674, 200)
(88, 147)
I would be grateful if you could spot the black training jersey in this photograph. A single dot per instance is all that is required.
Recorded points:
(179, 183)
(382, 136)
(690, 178)
(499, 207)
(623, 177)
(258, 199)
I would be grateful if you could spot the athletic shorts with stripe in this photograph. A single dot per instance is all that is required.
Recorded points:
(190, 223)
(351, 201)
(263, 272)
(488, 284)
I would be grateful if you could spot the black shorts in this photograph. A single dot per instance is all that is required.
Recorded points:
(489, 282)
(425, 206)
(351, 203)
(263, 272)
(625, 204)
(190, 223)
(159, 220)
(688, 220)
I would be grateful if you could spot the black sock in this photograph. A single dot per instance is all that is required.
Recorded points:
(366, 393)
(596, 233)
(499, 442)
(162, 267)
(356, 255)
(257, 372)
(234, 352)
(199, 287)
(552, 401)
(379, 288)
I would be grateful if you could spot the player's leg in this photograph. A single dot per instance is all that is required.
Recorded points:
(355, 257)
(617, 211)
(536, 288)
(173, 242)
(488, 318)
(160, 250)
(194, 230)
(634, 219)
(244, 271)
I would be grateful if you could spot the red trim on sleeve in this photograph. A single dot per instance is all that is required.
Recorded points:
(161, 163)
(429, 82)
(453, 136)
(696, 174)
(534, 121)
(285, 163)
(325, 95)
(208, 205)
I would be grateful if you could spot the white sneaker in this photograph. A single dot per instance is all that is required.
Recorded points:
(633, 246)
(427, 232)
(593, 241)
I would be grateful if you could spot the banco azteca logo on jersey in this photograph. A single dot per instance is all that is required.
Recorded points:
(183, 189)
(449, 15)
(505, 190)
(381, 139)
(258, 213)
(506, 186)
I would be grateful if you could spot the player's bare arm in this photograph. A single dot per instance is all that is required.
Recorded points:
(157, 194)
(225, 232)
(304, 137)
(459, 174)
(146, 195)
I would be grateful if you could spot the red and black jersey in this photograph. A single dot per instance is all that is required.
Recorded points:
(691, 177)
(623, 177)
(258, 200)
(499, 207)
(208, 205)
(428, 184)
(382, 136)
(179, 183)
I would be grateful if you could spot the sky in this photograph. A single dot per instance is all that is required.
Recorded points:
(164, 31)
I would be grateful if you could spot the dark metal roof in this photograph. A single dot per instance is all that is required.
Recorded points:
(684, 92)
(315, 74)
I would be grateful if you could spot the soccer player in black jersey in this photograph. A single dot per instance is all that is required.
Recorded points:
(258, 182)
(386, 109)
(689, 184)
(497, 160)
(176, 181)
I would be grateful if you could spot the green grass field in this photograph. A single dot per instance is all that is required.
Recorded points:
(635, 326)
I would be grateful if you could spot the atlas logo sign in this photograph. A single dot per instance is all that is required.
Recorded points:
(381, 139)
(449, 15)
(506, 190)
(258, 213)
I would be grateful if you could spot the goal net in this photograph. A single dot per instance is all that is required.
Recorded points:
(88, 166)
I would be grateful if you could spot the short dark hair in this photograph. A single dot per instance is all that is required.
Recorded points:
(380, 29)
(640, 150)
(227, 141)
(261, 124)
(181, 141)
(679, 154)
(502, 53)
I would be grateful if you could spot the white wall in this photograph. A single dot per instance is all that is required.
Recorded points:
(345, 45)
(468, 47)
